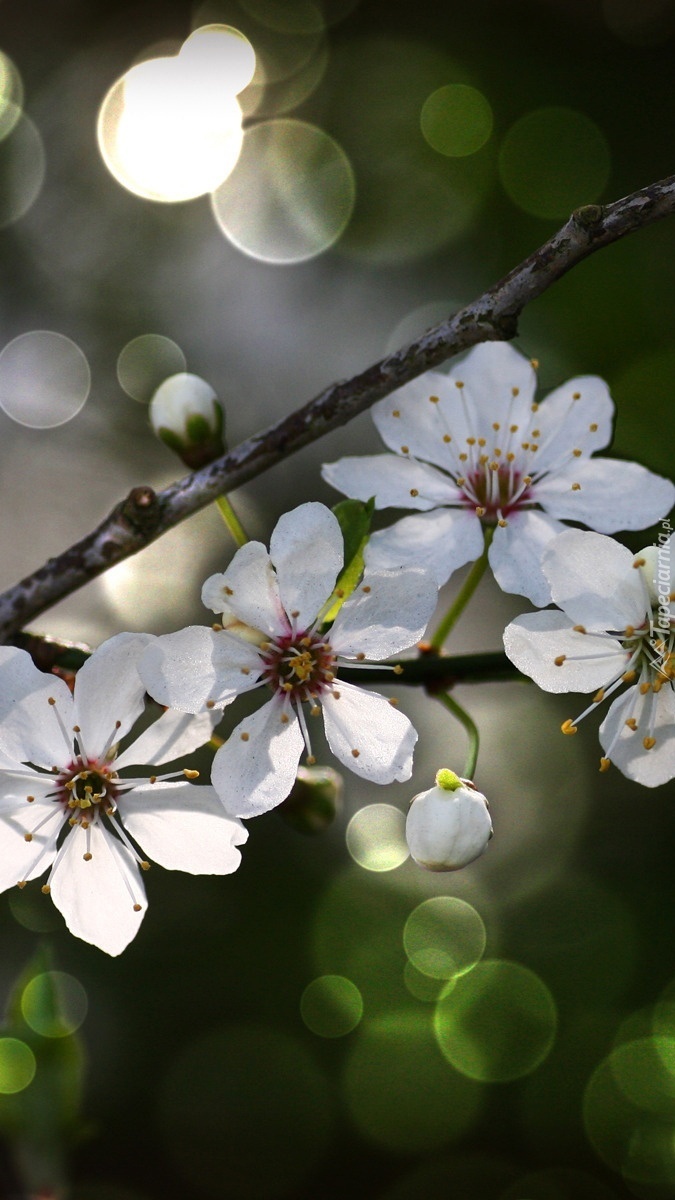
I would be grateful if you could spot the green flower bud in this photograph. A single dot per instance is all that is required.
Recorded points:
(314, 801)
(186, 415)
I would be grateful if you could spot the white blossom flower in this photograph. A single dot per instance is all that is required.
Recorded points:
(472, 449)
(616, 629)
(449, 825)
(273, 606)
(63, 799)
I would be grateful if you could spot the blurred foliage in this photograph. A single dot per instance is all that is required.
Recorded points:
(207, 1074)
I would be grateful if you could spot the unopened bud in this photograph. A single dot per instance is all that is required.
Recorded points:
(314, 801)
(449, 825)
(186, 414)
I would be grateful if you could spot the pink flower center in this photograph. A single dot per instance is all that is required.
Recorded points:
(497, 489)
(87, 791)
(299, 665)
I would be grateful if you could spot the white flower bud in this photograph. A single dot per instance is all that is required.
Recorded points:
(449, 825)
(186, 414)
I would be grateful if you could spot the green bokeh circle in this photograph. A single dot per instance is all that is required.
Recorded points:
(54, 1004)
(444, 937)
(456, 120)
(17, 1066)
(631, 1136)
(498, 1022)
(331, 1006)
(400, 1092)
(552, 160)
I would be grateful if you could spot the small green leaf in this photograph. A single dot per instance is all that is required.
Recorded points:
(354, 517)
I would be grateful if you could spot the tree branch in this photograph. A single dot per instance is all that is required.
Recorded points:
(145, 516)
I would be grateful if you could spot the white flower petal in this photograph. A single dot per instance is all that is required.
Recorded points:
(593, 580)
(97, 897)
(566, 424)
(612, 495)
(255, 769)
(516, 554)
(21, 860)
(491, 373)
(648, 767)
(172, 736)
(387, 613)
(446, 830)
(392, 481)
(29, 729)
(534, 641)
(307, 550)
(416, 419)
(440, 541)
(186, 669)
(367, 734)
(108, 689)
(250, 589)
(183, 828)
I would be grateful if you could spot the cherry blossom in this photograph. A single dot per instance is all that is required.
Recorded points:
(616, 631)
(64, 806)
(272, 636)
(472, 451)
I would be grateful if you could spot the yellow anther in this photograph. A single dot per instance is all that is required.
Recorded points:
(45, 889)
(576, 487)
(355, 753)
(502, 523)
(527, 480)
(568, 727)
(639, 562)
(414, 492)
(605, 764)
(228, 591)
(536, 433)
(434, 399)
(599, 696)
(190, 774)
(631, 723)
(137, 908)
(447, 438)
(629, 631)
(30, 799)
(579, 628)
(336, 695)
(393, 701)
(628, 676)
(367, 589)
(513, 428)
(315, 711)
(645, 687)
(649, 743)
(577, 453)
(405, 449)
(244, 737)
(471, 441)
(534, 363)
(459, 383)
(210, 704)
(576, 395)
(284, 718)
(87, 856)
(593, 428)
(27, 837)
(560, 660)
(398, 669)
(480, 512)
(395, 412)
(144, 865)
(515, 391)
(51, 700)
(310, 760)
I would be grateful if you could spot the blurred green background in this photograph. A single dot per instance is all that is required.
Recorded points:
(304, 1028)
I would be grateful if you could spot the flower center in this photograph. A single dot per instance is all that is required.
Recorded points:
(87, 791)
(495, 489)
(302, 667)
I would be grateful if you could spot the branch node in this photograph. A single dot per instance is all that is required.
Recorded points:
(589, 216)
(141, 509)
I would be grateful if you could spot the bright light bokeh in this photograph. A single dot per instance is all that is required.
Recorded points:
(54, 1004)
(44, 379)
(22, 163)
(11, 94)
(170, 128)
(376, 837)
(444, 937)
(17, 1066)
(145, 362)
(290, 195)
(498, 1022)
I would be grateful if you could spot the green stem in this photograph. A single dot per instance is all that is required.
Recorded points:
(464, 595)
(232, 520)
(471, 729)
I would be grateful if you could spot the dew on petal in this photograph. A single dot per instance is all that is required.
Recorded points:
(44, 379)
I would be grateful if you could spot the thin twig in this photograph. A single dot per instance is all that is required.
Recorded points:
(145, 516)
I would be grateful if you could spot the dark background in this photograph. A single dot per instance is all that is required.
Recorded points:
(202, 1078)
